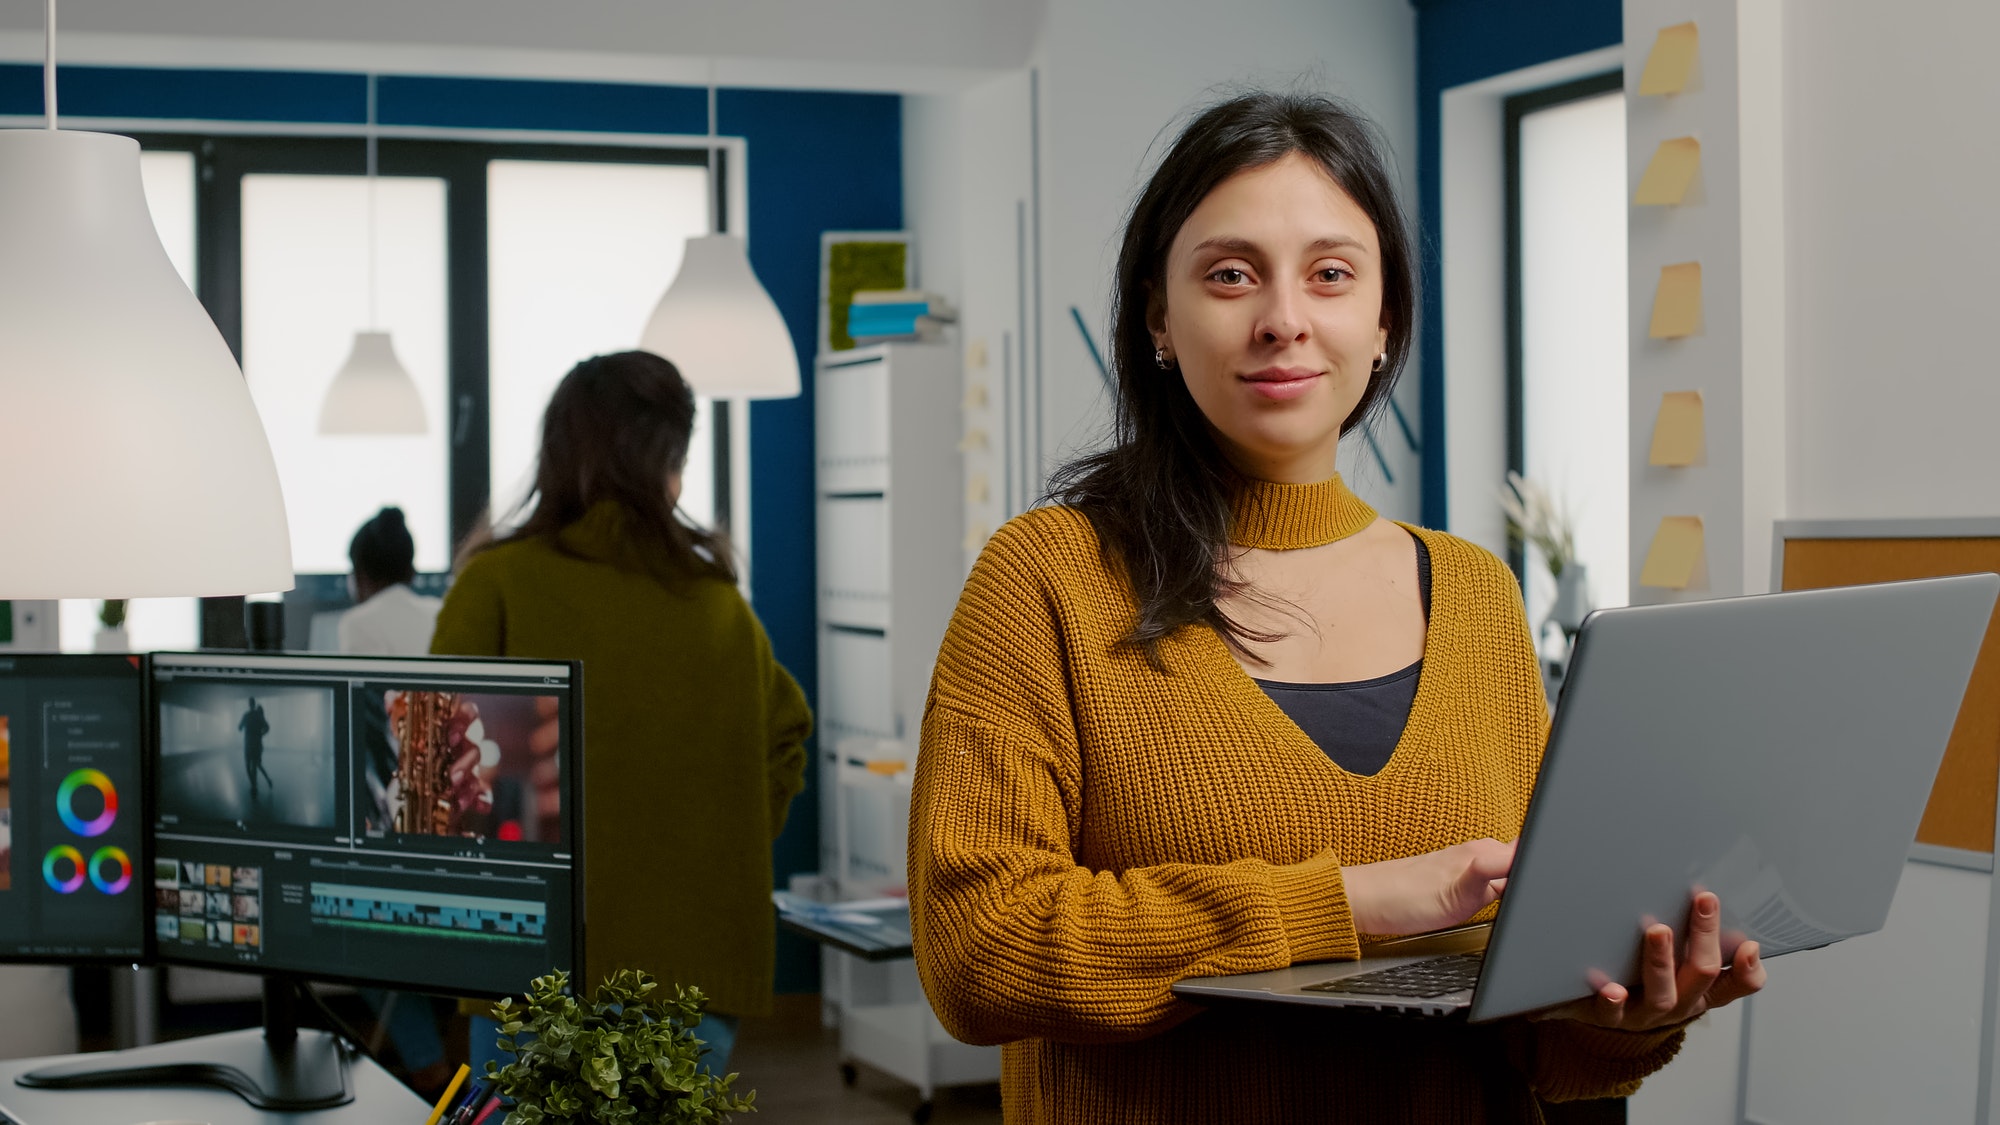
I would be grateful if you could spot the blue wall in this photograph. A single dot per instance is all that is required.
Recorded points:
(818, 161)
(1460, 41)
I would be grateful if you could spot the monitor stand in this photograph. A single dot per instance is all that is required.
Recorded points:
(287, 1069)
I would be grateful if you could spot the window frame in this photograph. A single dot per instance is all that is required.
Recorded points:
(221, 162)
(1514, 109)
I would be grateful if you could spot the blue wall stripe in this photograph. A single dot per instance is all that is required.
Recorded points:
(499, 103)
(818, 161)
(211, 95)
(1460, 41)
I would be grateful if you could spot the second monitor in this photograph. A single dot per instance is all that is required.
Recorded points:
(383, 821)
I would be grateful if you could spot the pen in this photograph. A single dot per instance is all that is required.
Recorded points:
(477, 1093)
(456, 1081)
(478, 1108)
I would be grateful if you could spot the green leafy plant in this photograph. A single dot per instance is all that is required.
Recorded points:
(626, 1056)
(1534, 516)
(112, 613)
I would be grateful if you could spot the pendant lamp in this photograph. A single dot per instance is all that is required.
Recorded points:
(372, 393)
(132, 461)
(715, 322)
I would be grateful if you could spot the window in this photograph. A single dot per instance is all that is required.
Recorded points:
(498, 267)
(1567, 425)
(577, 255)
(306, 291)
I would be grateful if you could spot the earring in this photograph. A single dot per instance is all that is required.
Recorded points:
(1379, 361)
(1160, 358)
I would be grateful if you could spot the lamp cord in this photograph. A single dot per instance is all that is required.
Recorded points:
(49, 67)
(373, 323)
(714, 187)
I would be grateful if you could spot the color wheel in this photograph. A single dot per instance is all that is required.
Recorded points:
(66, 796)
(56, 854)
(111, 855)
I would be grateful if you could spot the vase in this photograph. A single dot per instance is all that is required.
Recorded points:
(111, 639)
(1572, 602)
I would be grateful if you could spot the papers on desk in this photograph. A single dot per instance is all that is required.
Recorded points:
(877, 929)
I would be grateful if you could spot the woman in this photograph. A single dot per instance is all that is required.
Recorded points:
(693, 735)
(1210, 715)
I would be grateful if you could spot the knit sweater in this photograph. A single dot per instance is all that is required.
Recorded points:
(693, 748)
(1085, 831)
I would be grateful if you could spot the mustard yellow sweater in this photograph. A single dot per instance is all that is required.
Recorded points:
(1086, 831)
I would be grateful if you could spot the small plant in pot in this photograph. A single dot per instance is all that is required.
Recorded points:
(627, 1056)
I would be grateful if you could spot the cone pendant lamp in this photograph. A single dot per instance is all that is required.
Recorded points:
(372, 393)
(716, 323)
(132, 461)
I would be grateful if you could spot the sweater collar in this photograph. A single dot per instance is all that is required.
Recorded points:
(1284, 517)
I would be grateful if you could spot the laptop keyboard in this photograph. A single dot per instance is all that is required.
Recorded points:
(1421, 979)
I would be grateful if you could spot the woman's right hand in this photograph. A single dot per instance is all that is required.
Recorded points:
(1427, 892)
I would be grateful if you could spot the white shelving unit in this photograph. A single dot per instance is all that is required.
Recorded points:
(891, 510)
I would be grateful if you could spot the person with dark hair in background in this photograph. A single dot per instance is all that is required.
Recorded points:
(388, 618)
(1208, 714)
(696, 734)
(255, 726)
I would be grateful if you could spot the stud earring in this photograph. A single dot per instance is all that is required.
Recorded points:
(1160, 359)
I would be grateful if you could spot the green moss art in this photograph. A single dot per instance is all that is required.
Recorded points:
(853, 266)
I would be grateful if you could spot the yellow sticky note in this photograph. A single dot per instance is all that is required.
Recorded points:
(1669, 173)
(1677, 432)
(975, 489)
(975, 354)
(1677, 302)
(975, 396)
(1676, 550)
(973, 441)
(1671, 60)
(975, 537)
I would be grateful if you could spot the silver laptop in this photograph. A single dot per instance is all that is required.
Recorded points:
(1778, 750)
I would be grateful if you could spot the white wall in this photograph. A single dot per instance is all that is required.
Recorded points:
(937, 34)
(1116, 77)
(1895, 385)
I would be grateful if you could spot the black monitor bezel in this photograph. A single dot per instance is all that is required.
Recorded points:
(144, 867)
(157, 956)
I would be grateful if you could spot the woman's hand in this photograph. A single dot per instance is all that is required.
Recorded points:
(1427, 892)
(1671, 993)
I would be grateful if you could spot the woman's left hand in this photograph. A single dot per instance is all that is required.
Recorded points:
(1675, 991)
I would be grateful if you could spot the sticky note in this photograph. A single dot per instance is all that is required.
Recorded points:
(1677, 302)
(973, 441)
(1676, 550)
(1677, 432)
(975, 396)
(1669, 173)
(976, 489)
(1671, 60)
(975, 354)
(975, 537)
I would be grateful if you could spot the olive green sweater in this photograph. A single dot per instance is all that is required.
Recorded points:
(693, 748)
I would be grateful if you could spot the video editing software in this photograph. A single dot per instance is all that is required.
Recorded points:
(376, 820)
(71, 832)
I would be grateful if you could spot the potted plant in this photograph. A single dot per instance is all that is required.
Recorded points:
(111, 634)
(626, 1056)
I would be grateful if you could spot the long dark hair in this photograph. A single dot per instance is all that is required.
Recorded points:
(1162, 498)
(615, 427)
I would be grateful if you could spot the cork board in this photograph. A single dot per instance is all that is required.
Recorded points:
(1960, 813)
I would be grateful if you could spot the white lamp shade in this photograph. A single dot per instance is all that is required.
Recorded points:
(132, 461)
(372, 394)
(718, 326)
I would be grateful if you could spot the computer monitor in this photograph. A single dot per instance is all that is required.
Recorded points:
(72, 826)
(312, 607)
(394, 822)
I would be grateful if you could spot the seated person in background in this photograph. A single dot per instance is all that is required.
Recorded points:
(388, 618)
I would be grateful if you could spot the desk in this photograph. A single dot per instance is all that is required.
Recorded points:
(378, 1098)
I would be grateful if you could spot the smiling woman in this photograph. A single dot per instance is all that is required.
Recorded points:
(1208, 715)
